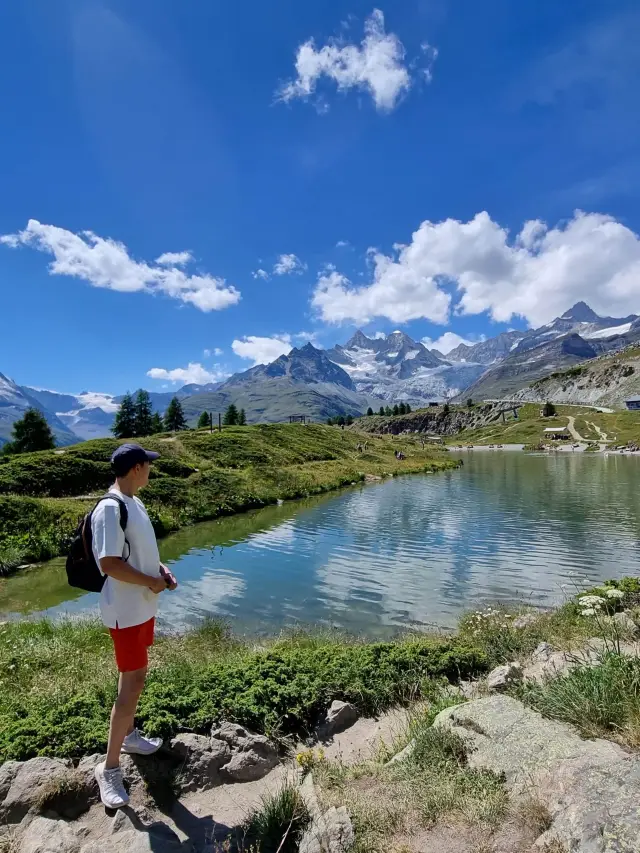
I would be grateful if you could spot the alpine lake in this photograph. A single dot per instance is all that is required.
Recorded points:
(407, 553)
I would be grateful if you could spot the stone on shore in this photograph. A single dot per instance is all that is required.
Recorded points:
(340, 716)
(25, 785)
(252, 756)
(525, 620)
(591, 788)
(505, 676)
(201, 760)
(626, 624)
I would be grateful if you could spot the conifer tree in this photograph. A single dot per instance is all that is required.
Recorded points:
(144, 414)
(174, 419)
(231, 416)
(31, 433)
(124, 425)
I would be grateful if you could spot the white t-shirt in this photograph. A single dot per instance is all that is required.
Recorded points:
(125, 604)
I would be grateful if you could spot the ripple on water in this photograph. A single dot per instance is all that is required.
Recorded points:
(413, 551)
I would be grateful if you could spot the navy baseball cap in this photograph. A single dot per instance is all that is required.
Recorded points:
(128, 455)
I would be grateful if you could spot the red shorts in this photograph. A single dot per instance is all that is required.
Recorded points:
(131, 645)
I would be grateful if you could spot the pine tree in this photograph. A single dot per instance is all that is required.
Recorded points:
(387, 411)
(396, 410)
(446, 409)
(349, 420)
(470, 403)
(548, 410)
(30, 433)
(231, 416)
(369, 412)
(204, 421)
(242, 418)
(402, 409)
(174, 419)
(157, 424)
(329, 421)
(381, 412)
(407, 408)
(144, 414)
(124, 425)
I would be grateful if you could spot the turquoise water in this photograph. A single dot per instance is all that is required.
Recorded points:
(411, 552)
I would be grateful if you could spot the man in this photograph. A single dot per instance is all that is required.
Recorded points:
(128, 602)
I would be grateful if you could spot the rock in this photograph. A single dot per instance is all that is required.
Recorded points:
(329, 832)
(525, 621)
(470, 689)
(200, 761)
(51, 836)
(340, 716)
(25, 784)
(542, 653)
(504, 676)
(405, 753)
(590, 788)
(625, 623)
(252, 755)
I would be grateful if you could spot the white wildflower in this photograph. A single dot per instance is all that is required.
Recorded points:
(615, 593)
(588, 611)
(591, 601)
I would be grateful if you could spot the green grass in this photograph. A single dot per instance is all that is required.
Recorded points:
(57, 682)
(601, 701)
(200, 476)
(278, 825)
(434, 783)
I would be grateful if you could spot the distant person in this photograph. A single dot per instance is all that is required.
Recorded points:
(128, 603)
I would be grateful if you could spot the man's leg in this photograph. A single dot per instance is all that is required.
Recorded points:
(130, 687)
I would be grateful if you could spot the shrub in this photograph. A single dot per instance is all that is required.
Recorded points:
(54, 475)
(282, 691)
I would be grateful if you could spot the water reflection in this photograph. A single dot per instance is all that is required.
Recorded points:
(410, 552)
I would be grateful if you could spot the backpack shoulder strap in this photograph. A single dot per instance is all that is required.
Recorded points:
(124, 512)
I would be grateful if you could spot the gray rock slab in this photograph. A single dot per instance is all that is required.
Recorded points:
(591, 788)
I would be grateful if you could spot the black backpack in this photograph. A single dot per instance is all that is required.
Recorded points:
(82, 570)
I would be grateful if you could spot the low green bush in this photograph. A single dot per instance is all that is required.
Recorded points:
(53, 474)
(278, 692)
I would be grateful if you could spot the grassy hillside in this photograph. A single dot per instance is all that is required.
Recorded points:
(605, 381)
(528, 428)
(199, 476)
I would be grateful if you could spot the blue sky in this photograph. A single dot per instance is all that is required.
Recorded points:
(190, 188)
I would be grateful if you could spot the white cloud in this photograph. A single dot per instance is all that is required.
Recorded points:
(174, 259)
(447, 342)
(260, 274)
(106, 263)
(377, 66)
(342, 244)
(192, 373)
(288, 264)
(206, 353)
(262, 350)
(537, 275)
(217, 351)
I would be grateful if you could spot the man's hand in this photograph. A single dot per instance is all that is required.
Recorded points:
(168, 577)
(157, 585)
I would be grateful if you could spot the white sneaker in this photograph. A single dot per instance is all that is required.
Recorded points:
(112, 790)
(137, 744)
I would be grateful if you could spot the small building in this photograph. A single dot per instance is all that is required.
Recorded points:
(298, 419)
(633, 403)
(557, 433)
(433, 404)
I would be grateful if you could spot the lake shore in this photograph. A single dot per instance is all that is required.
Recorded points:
(200, 476)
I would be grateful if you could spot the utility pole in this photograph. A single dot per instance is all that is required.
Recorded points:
(219, 422)
(211, 422)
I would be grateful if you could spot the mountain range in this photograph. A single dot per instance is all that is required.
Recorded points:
(348, 378)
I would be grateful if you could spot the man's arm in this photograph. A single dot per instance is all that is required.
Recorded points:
(116, 568)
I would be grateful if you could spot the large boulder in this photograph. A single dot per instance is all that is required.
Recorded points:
(201, 759)
(591, 788)
(133, 841)
(43, 835)
(36, 784)
(329, 831)
(252, 755)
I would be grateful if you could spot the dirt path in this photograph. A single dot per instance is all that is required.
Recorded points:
(571, 426)
(603, 435)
